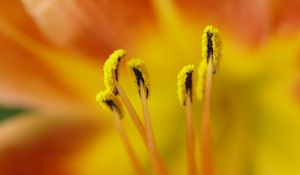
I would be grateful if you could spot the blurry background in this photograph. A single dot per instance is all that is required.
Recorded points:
(51, 57)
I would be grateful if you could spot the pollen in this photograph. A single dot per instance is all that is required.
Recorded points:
(109, 101)
(211, 45)
(110, 69)
(139, 72)
(184, 83)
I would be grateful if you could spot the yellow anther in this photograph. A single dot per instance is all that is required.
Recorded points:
(185, 83)
(211, 50)
(109, 101)
(110, 69)
(139, 72)
(211, 46)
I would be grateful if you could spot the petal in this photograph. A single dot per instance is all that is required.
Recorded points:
(92, 27)
(37, 76)
(248, 21)
(35, 144)
(13, 11)
(26, 80)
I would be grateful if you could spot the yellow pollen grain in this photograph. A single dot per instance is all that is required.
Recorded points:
(216, 45)
(108, 101)
(110, 69)
(181, 83)
(138, 64)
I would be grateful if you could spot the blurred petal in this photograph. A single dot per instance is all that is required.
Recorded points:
(13, 11)
(37, 76)
(256, 116)
(34, 144)
(94, 27)
(285, 17)
(248, 21)
(25, 80)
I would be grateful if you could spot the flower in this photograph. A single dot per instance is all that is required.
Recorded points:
(51, 52)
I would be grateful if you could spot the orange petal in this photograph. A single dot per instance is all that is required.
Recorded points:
(28, 81)
(248, 21)
(38, 76)
(285, 16)
(13, 11)
(89, 26)
(35, 144)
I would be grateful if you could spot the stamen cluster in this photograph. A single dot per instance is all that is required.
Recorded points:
(109, 99)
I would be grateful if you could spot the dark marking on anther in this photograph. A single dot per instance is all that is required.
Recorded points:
(116, 70)
(117, 75)
(210, 49)
(188, 84)
(140, 79)
(112, 106)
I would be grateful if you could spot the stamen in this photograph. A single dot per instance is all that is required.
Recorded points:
(211, 49)
(137, 166)
(109, 101)
(158, 164)
(207, 157)
(211, 53)
(185, 97)
(111, 82)
(111, 70)
(135, 118)
(184, 83)
(140, 74)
